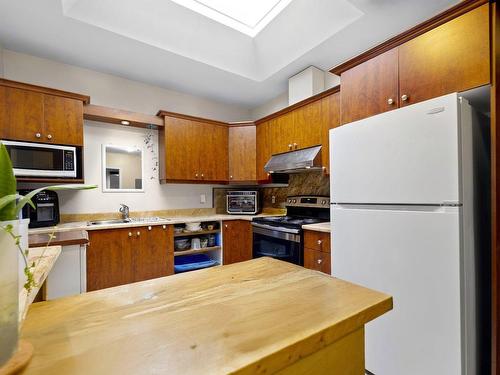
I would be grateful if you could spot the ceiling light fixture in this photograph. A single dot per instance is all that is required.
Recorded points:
(125, 122)
(246, 16)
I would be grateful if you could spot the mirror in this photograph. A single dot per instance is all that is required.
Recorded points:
(122, 168)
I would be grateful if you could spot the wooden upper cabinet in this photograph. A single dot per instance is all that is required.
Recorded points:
(283, 133)
(450, 58)
(21, 114)
(37, 114)
(181, 156)
(370, 88)
(237, 241)
(264, 148)
(193, 149)
(330, 118)
(242, 153)
(63, 120)
(307, 125)
(213, 152)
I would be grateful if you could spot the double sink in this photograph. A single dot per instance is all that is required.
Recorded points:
(125, 221)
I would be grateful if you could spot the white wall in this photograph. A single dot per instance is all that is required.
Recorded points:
(155, 197)
(117, 92)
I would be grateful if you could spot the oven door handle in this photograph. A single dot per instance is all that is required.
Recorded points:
(279, 229)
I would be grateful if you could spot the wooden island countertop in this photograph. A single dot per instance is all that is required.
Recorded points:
(257, 317)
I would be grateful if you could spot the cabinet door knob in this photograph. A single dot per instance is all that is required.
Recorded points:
(289, 146)
(149, 227)
(202, 175)
(164, 226)
(38, 135)
(320, 261)
(231, 177)
(295, 146)
(130, 234)
(390, 101)
(320, 242)
(49, 136)
(404, 97)
(138, 233)
(225, 225)
(196, 175)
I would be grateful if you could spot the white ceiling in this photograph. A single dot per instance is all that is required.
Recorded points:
(165, 43)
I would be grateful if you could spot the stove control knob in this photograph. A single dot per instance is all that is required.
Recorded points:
(289, 201)
(295, 201)
(323, 202)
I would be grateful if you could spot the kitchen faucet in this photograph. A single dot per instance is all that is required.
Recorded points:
(124, 209)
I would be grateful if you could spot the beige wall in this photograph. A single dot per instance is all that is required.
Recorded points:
(113, 91)
(1, 61)
(130, 167)
(272, 106)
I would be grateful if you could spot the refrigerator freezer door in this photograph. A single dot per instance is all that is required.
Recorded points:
(415, 257)
(406, 156)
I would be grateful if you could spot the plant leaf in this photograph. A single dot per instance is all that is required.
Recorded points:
(7, 185)
(27, 198)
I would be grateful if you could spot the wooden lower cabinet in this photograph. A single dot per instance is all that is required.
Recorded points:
(154, 257)
(317, 260)
(237, 241)
(317, 251)
(122, 256)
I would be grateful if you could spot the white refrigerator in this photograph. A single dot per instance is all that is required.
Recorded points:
(404, 198)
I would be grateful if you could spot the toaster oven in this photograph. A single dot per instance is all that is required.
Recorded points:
(242, 202)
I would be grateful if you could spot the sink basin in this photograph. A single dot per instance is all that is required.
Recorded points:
(107, 222)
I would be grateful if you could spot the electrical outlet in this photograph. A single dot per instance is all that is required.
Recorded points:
(203, 198)
(273, 199)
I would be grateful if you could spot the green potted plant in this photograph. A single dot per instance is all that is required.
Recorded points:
(15, 272)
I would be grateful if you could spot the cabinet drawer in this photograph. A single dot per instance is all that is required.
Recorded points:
(319, 241)
(317, 260)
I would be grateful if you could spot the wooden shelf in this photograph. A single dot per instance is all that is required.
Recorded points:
(116, 116)
(201, 232)
(196, 251)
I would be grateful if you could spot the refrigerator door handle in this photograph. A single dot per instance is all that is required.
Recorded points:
(398, 207)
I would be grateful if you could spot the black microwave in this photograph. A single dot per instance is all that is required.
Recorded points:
(46, 211)
(42, 160)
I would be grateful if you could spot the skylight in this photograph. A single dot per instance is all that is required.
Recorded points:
(246, 16)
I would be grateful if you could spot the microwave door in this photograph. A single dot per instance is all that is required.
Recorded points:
(32, 159)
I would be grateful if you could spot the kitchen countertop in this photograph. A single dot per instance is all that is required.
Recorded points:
(259, 316)
(319, 227)
(44, 258)
(82, 225)
(74, 237)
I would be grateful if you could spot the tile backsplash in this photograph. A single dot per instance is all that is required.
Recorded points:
(309, 183)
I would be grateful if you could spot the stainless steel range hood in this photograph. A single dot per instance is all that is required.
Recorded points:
(304, 160)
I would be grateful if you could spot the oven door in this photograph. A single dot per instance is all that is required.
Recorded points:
(279, 243)
(36, 159)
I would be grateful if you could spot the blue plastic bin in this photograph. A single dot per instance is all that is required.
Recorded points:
(187, 263)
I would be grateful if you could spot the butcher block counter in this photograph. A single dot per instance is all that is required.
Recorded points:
(262, 316)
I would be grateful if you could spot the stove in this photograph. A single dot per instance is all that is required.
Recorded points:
(281, 237)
